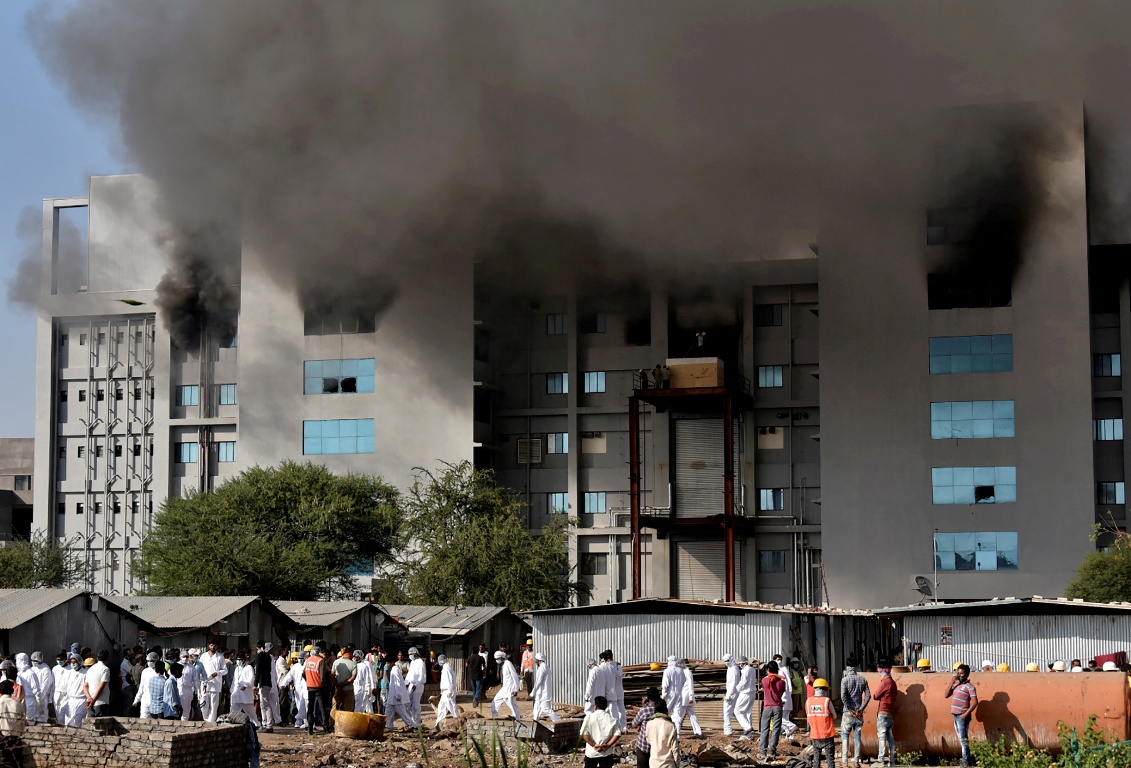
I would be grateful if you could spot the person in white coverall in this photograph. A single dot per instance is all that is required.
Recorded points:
(415, 681)
(672, 692)
(395, 704)
(243, 689)
(295, 679)
(689, 697)
(596, 684)
(508, 691)
(187, 685)
(614, 685)
(46, 679)
(747, 692)
(447, 705)
(74, 678)
(30, 682)
(363, 684)
(57, 672)
(543, 690)
(733, 673)
(215, 668)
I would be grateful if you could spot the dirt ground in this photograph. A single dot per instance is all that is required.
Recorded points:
(291, 748)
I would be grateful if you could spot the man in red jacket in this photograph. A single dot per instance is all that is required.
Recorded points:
(885, 720)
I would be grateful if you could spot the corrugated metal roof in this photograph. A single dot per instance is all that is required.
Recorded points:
(1014, 605)
(19, 606)
(443, 620)
(321, 613)
(676, 605)
(170, 613)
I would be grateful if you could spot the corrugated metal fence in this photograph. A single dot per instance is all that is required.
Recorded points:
(569, 639)
(1017, 640)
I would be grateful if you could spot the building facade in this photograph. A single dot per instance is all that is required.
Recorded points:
(903, 409)
(17, 502)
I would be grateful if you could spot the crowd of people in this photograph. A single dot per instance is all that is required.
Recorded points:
(267, 686)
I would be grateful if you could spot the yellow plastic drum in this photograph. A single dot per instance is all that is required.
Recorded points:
(351, 725)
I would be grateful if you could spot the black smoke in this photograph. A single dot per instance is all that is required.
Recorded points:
(364, 139)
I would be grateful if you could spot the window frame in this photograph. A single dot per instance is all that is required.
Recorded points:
(774, 374)
(594, 508)
(593, 382)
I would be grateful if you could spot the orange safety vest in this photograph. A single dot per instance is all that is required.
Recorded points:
(313, 670)
(819, 714)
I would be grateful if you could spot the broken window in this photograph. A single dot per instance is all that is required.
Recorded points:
(592, 323)
(328, 377)
(101, 394)
(973, 485)
(82, 395)
(329, 323)
(969, 289)
(767, 315)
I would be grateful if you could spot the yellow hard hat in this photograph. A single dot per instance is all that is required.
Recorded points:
(1003, 667)
(820, 682)
(293, 656)
(309, 648)
(1032, 666)
(957, 664)
(923, 664)
(89, 662)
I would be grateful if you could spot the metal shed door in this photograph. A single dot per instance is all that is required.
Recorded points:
(700, 570)
(699, 467)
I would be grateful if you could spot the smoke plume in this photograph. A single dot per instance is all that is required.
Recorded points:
(361, 139)
(24, 284)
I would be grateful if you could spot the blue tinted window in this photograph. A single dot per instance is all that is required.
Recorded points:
(971, 354)
(1107, 429)
(769, 376)
(188, 395)
(972, 419)
(186, 453)
(596, 502)
(331, 377)
(974, 485)
(982, 551)
(337, 437)
(557, 503)
(226, 451)
(593, 381)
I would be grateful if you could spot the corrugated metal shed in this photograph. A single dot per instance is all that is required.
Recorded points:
(1015, 631)
(19, 606)
(443, 620)
(319, 613)
(643, 631)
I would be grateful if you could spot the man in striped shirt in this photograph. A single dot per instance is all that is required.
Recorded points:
(643, 715)
(963, 700)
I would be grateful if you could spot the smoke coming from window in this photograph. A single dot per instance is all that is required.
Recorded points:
(356, 141)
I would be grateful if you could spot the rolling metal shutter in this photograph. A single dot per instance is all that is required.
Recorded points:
(699, 467)
(700, 570)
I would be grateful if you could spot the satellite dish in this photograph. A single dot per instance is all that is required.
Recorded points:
(923, 586)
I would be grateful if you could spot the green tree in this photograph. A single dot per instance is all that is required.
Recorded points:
(293, 532)
(1104, 577)
(42, 561)
(466, 541)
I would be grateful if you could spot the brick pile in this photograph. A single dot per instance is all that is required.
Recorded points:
(119, 742)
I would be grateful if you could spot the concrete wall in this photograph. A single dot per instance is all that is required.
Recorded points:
(422, 403)
(876, 392)
(111, 742)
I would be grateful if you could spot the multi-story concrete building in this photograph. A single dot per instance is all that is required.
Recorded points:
(126, 419)
(16, 497)
(892, 407)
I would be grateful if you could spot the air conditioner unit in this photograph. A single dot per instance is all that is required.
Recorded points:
(530, 450)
